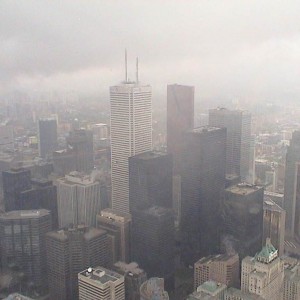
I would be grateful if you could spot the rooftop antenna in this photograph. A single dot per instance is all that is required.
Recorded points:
(125, 65)
(137, 70)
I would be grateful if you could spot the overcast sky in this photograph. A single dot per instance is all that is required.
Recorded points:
(233, 48)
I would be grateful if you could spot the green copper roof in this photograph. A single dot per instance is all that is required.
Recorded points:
(267, 253)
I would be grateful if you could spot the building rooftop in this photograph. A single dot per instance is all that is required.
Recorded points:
(16, 296)
(153, 288)
(211, 287)
(157, 211)
(238, 294)
(115, 215)
(267, 254)
(271, 205)
(218, 257)
(101, 275)
(24, 214)
(204, 129)
(75, 178)
(132, 267)
(243, 189)
(150, 155)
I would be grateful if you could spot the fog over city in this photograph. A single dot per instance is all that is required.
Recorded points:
(235, 49)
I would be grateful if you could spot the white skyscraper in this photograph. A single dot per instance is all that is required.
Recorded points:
(131, 134)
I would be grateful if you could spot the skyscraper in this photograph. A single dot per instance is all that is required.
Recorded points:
(150, 180)
(134, 278)
(180, 118)
(243, 218)
(274, 225)
(118, 227)
(154, 288)
(14, 181)
(78, 199)
(292, 186)
(23, 243)
(203, 183)
(47, 133)
(131, 134)
(101, 284)
(69, 252)
(80, 144)
(238, 125)
(153, 242)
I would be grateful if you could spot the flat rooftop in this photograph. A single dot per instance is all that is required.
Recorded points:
(150, 155)
(132, 267)
(157, 211)
(100, 275)
(271, 205)
(241, 295)
(114, 215)
(243, 189)
(216, 258)
(24, 214)
(204, 129)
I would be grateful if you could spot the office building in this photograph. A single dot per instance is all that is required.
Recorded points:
(131, 134)
(100, 284)
(209, 290)
(180, 118)
(291, 288)
(263, 274)
(47, 133)
(63, 162)
(150, 181)
(23, 244)
(42, 194)
(134, 278)
(238, 142)
(154, 288)
(222, 268)
(80, 144)
(14, 181)
(292, 186)
(243, 218)
(69, 252)
(16, 296)
(118, 228)
(78, 199)
(153, 242)
(236, 294)
(274, 225)
(202, 190)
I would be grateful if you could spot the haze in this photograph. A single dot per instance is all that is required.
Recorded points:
(248, 49)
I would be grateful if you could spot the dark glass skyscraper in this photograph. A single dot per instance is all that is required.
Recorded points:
(238, 125)
(292, 186)
(203, 182)
(180, 117)
(150, 180)
(47, 132)
(80, 142)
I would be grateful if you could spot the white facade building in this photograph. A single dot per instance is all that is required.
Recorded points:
(78, 199)
(131, 134)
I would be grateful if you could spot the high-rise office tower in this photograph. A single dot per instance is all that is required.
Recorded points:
(274, 225)
(80, 144)
(47, 133)
(150, 180)
(23, 243)
(118, 228)
(134, 278)
(6, 138)
(291, 289)
(203, 183)
(78, 199)
(292, 186)
(100, 284)
(154, 288)
(180, 118)
(238, 125)
(153, 242)
(42, 194)
(263, 274)
(15, 181)
(131, 134)
(68, 253)
(221, 268)
(243, 218)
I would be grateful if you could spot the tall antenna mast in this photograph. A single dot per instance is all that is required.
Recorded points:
(137, 70)
(125, 65)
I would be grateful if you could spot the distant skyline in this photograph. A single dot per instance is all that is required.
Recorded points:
(235, 49)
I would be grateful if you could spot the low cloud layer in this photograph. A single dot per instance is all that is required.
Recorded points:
(231, 48)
